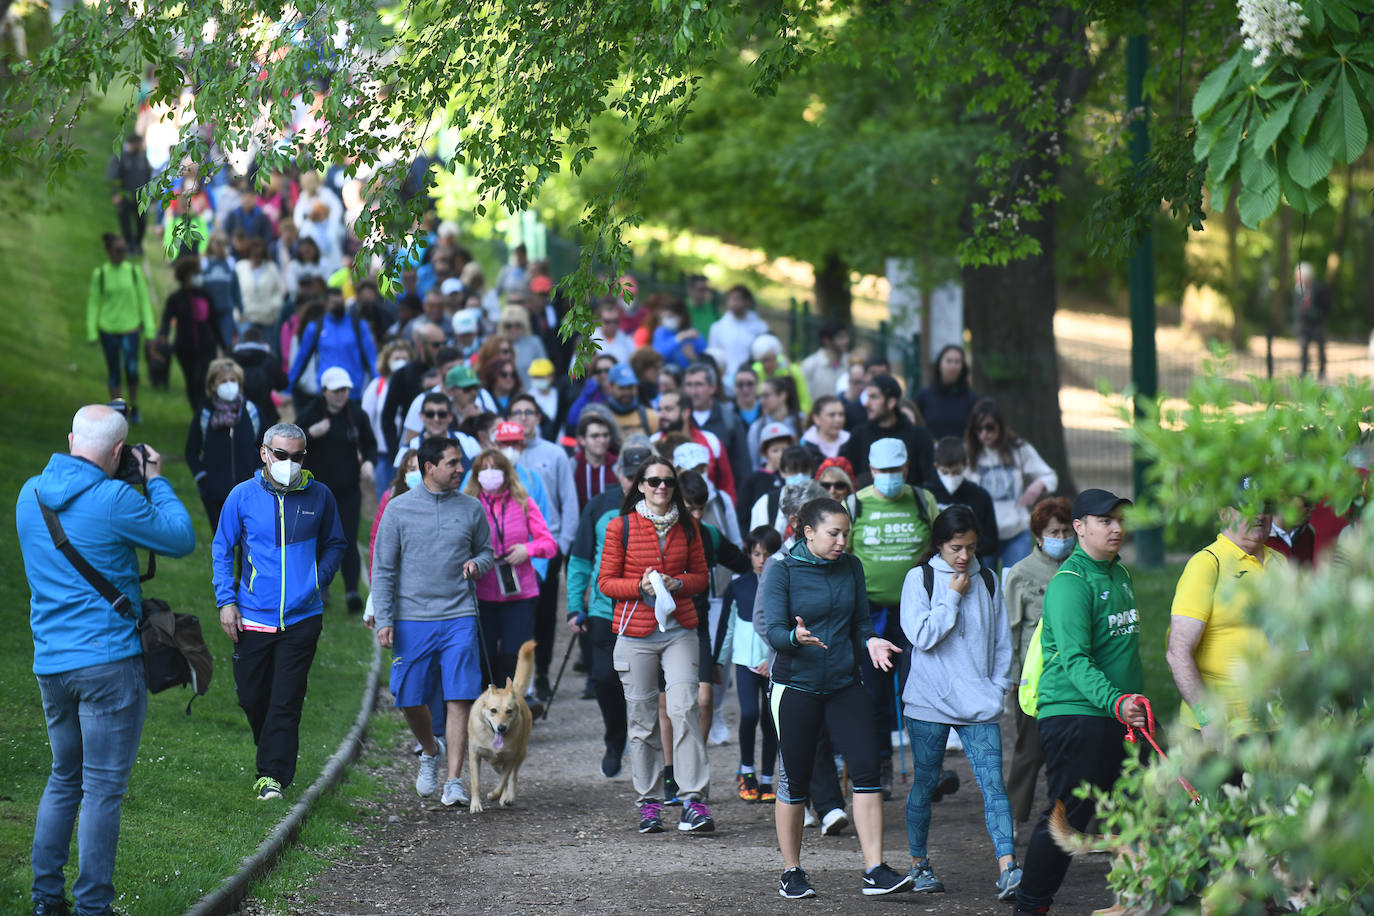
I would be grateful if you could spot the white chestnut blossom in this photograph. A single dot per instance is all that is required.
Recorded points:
(1269, 25)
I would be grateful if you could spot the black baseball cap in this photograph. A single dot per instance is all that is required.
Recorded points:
(1097, 502)
(635, 457)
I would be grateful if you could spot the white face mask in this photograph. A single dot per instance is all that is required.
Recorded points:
(541, 384)
(1058, 548)
(414, 479)
(671, 322)
(951, 483)
(513, 454)
(398, 363)
(284, 472)
(227, 391)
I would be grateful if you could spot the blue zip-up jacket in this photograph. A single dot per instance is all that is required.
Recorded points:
(107, 521)
(292, 544)
(333, 343)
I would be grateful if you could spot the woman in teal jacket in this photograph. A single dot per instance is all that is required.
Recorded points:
(818, 620)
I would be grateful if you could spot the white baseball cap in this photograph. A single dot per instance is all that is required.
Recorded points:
(450, 286)
(690, 454)
(887, 453)
(334, 378)
(465, 321)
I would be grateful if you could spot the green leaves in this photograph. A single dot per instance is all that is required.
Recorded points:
(1214, 86)
(1351, 132)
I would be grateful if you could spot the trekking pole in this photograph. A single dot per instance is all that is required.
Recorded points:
(553, 695)
(901, 729)
(1148, 733)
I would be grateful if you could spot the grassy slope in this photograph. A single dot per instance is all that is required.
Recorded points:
(189, 816)
(1154, 594)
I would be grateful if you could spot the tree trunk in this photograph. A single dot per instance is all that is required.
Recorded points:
(1010, 313)
(834, 297)
(1010, 310)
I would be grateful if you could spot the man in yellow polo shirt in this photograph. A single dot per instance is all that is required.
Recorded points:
(1210, 628)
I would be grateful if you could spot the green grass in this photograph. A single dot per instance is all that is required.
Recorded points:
(1154, 595)
(189, 816)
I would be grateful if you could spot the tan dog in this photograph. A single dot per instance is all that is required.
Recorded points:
(499, 731)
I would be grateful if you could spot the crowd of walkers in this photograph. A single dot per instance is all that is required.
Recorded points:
(857, 560)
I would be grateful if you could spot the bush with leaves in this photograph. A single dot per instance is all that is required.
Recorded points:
(1297, 831)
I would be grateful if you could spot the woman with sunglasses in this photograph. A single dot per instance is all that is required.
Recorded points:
(1012, 472)
(655, 545)
(837, 482)
(500, 383)
(506, 592)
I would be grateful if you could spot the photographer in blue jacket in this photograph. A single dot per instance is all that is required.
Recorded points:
(86, 654)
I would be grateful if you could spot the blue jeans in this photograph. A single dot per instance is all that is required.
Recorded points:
(983, 745)
(1015, 550)
(121, 355)
(95, 718)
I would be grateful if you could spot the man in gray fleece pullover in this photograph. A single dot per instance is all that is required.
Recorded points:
(432, 545)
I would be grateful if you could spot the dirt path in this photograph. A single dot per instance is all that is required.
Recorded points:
(569, 845)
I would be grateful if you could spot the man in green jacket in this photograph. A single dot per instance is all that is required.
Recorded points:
(891, 535)
(1090, 685)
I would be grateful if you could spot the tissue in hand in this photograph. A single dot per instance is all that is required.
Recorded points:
(664, 605)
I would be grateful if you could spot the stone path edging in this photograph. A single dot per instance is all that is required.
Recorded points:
(226, 899)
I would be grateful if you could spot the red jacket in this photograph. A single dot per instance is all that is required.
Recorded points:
(622, 569)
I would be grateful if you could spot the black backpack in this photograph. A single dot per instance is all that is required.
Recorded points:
(174, 649)
(928, 577)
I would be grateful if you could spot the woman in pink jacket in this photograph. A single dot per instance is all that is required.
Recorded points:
(505, 595)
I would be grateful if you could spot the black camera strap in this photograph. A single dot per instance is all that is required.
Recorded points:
(118, 600)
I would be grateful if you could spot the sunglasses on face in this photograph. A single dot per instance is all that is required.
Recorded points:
(835, 485)
(655, 482)
(506, 374)
(987, 427)
(282, 454)
(436, 414)
(746, 383)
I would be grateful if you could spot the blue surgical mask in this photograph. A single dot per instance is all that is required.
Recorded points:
(1058, 548)
(413, 479)
(888, 484)
(795, 480)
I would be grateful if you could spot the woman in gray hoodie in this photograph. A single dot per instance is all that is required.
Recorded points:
(953, 612)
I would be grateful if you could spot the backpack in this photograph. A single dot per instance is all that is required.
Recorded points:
(928, 577)
(357, 339)
(1028, 692)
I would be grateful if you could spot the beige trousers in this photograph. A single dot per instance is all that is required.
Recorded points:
(638, 661)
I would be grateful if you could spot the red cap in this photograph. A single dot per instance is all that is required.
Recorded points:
(541, 284)
(508, 431)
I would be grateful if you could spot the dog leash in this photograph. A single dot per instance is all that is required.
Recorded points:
(553, 694)
(1148, 733)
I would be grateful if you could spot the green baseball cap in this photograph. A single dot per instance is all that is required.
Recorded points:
(461, 376)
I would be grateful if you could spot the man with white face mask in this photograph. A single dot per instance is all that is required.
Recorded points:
(287, 526)
(952, 486)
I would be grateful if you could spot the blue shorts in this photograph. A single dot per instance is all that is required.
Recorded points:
(428, 653)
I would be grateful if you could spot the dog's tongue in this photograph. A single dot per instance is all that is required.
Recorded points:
(498, 741)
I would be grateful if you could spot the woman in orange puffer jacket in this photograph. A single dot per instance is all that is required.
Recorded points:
(656, 534)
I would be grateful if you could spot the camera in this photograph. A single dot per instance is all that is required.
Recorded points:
(132, 458)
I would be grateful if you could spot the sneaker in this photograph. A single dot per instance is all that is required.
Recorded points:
(880, 879)
(50, 907)
(579, 668)
(809, 818)
(651, 818)
(748, 787)
(267, 788)
(696, 818)
(794, 886)
(610, 763)
(354, 602)
(537, 707)
(455, 794)
(885, 777)
(834, 822)
(923, 880)
(427, 780)
(948, 785)
(588, 691)
(719, 732)
(1009, 881)
(135, 416)
(670, 798)
(542, 691)
(766, 793)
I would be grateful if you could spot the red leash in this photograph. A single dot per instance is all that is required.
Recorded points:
(1148, 733)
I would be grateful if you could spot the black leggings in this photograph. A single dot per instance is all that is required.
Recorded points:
(753, 710)
(846, 714)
